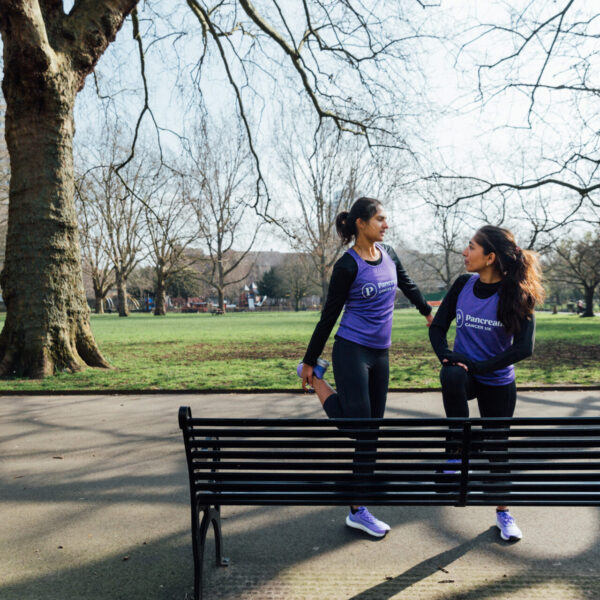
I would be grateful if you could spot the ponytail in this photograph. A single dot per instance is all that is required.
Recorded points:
(343, 228)
(345, 222)
(521, 288)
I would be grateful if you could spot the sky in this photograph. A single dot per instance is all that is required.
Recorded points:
(449, 126)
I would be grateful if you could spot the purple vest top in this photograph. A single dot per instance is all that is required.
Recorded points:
(369, 309)
(479, 334)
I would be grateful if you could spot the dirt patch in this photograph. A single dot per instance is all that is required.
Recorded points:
(284, 351)
(546, 354)
(204, 352)
(565, 353)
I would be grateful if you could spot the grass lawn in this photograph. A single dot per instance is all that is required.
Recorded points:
(261, 350)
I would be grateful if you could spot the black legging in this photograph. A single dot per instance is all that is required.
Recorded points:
(459, 386)
(361, 376)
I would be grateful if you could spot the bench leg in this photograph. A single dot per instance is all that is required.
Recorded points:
(215, 517)
(199, 531)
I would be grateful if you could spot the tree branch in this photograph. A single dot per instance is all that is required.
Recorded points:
(204, 18)
(90, 27)
(297, 63)
(582, 190)
(146, 107)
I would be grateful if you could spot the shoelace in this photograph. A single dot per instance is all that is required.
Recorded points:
(505, 518)
(367, 516)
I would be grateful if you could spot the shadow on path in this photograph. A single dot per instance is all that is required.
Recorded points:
(426, 568)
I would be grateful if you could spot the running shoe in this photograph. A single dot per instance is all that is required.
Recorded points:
(364, 520)
(505, 522)
(318, 370)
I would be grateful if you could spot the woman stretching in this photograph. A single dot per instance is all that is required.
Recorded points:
(364, 279)
(495, 328)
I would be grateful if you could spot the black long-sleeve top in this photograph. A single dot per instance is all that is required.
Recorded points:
(523, 341)
(343, 276)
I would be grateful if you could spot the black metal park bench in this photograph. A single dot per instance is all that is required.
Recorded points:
(398, 462)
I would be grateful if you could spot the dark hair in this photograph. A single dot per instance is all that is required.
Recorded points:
(521, 286)
(345, 222)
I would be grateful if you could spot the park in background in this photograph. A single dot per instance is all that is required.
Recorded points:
(259, 351)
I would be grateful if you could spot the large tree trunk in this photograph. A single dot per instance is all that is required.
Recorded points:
(47, 322)
(589, 301)
(161, 299)
(121, 284)
(47, 55)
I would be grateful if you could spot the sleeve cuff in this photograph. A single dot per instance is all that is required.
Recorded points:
(426, 310)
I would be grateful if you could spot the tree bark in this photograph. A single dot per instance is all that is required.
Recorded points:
(101, 285)
(99, 304)
(47, 323)
(221, 277)
(160, 300)
(324, 284)
(589, 301)
(121, 284)
(47, 55)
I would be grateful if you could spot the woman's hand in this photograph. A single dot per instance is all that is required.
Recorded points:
(457, 358)
(307, 376)
(459, 364)
(429, 319)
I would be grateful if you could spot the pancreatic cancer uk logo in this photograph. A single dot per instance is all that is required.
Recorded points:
(369, 290)
(460, 318)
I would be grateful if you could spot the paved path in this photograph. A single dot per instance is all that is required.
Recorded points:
(94, 506)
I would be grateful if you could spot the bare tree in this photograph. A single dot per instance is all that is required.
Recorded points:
(448, 226)
(547, 54)
(123, 217)
(296, 278)
(577, 263)
(116, 204)
(325, 176)
(336, 51)
(222, 195)
(441, 253)
(96, 260)
(168, 222)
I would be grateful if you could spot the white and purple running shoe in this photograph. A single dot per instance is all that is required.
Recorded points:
(505, 522)
(364, 520)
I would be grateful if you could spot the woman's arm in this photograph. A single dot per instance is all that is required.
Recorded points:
(522, 347)
(342, 278)
(408, 287)
(443, 318)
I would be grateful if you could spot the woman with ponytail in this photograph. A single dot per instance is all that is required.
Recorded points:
(495, 327)
(364, 280)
